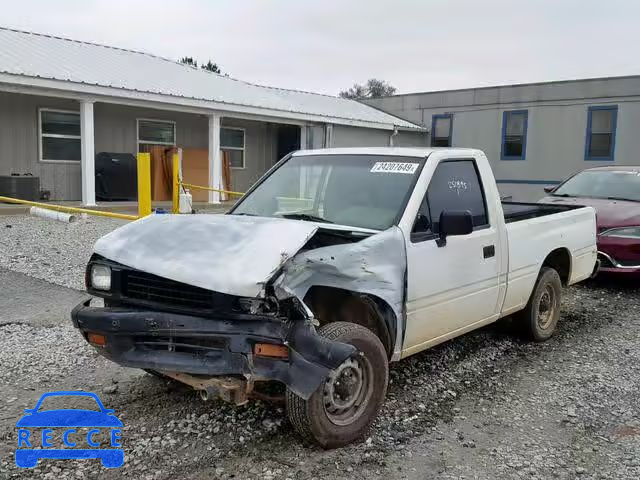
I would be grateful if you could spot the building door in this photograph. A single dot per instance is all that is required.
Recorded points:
(288, 139)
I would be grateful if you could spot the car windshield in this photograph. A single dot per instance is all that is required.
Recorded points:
(366, 191)
(615, 184)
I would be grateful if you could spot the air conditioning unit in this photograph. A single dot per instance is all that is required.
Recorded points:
(25, 187)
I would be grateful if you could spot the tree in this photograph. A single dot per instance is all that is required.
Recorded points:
(379, 88)
(189, 61)
(212, 67)
(357, 91)
(374, 88)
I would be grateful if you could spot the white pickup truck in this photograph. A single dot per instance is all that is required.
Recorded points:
(334, 264)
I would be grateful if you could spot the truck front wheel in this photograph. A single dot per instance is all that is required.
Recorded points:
(539, 318)
(346, 404)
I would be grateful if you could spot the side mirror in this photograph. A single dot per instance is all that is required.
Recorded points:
(549, 189)
(454, 222)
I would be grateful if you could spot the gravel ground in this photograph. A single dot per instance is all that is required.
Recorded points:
(50, 250)
(483, 406)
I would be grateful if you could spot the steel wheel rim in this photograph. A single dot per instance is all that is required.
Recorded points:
(348, 390)
(546, 308)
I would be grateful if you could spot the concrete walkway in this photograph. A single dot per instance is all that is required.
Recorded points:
(121, 207)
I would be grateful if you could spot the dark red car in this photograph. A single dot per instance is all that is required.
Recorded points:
(615, 194)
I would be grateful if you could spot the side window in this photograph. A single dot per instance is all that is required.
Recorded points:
(441, 129)
(455, 185)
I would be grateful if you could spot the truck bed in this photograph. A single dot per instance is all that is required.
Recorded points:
(518, 211)
(533, 231)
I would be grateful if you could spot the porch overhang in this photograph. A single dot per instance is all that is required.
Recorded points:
(80, 91)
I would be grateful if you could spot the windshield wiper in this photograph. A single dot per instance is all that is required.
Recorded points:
(247, 214)
(561, 195)
(623, 199)
(305, 216)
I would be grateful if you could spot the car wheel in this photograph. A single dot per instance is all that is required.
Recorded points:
(539, 318)
(346, 404)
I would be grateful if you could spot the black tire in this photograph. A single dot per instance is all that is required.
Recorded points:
(311, 418)
(539, 318)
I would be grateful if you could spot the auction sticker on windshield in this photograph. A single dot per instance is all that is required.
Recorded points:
(395, 167)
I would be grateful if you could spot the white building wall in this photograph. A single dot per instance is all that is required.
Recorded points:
(345, 136)
(557, 125)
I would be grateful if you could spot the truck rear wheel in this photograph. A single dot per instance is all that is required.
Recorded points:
(346, 404)
(539, 318)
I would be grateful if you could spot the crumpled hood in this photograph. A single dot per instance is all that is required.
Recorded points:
(230, 254)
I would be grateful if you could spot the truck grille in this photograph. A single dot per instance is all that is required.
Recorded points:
(179, 344)
(151, 288)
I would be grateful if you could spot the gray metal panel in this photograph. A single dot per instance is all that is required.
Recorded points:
(555, 141)
(317, 136)
(596, 88)
(344, 136)
(115, 127)
(557, 122)
(19, 144)
(411, 139)
(37, 56)
(259, 151)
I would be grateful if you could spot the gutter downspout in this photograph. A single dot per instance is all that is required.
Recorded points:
(393, 134)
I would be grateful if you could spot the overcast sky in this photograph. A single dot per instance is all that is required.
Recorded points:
(327, 45)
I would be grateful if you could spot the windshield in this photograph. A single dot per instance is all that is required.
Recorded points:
(618, 184)
(366, 191)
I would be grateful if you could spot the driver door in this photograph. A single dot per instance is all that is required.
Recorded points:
(453, 288)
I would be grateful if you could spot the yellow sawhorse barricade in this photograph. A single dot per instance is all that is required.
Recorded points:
(144, 193)
(144, 196)
(178, 184)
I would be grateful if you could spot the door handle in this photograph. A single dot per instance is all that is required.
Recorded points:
(489, 251)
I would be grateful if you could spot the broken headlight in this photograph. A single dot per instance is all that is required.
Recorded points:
(256, 306)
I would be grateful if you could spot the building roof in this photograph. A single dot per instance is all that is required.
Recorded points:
(554, 91)
(418, 152)
(45, 61)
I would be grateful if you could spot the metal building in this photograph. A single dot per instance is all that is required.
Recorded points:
(533, 134)
(62, 101)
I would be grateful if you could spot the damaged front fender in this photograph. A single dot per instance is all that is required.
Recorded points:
(374, 266)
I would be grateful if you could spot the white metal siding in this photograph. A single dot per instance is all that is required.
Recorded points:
(556, 131)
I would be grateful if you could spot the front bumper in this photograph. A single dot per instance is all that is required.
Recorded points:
(213, 347)
(619, 255)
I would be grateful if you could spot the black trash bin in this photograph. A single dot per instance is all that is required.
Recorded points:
(116, 177)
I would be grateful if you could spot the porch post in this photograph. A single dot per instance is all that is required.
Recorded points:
(215, 158)
(328, 135)
(303, 170)
(303, 137)
(87, 154)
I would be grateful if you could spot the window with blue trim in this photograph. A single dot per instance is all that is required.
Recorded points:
(441, 129)
(514, 135)
(601, 132)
